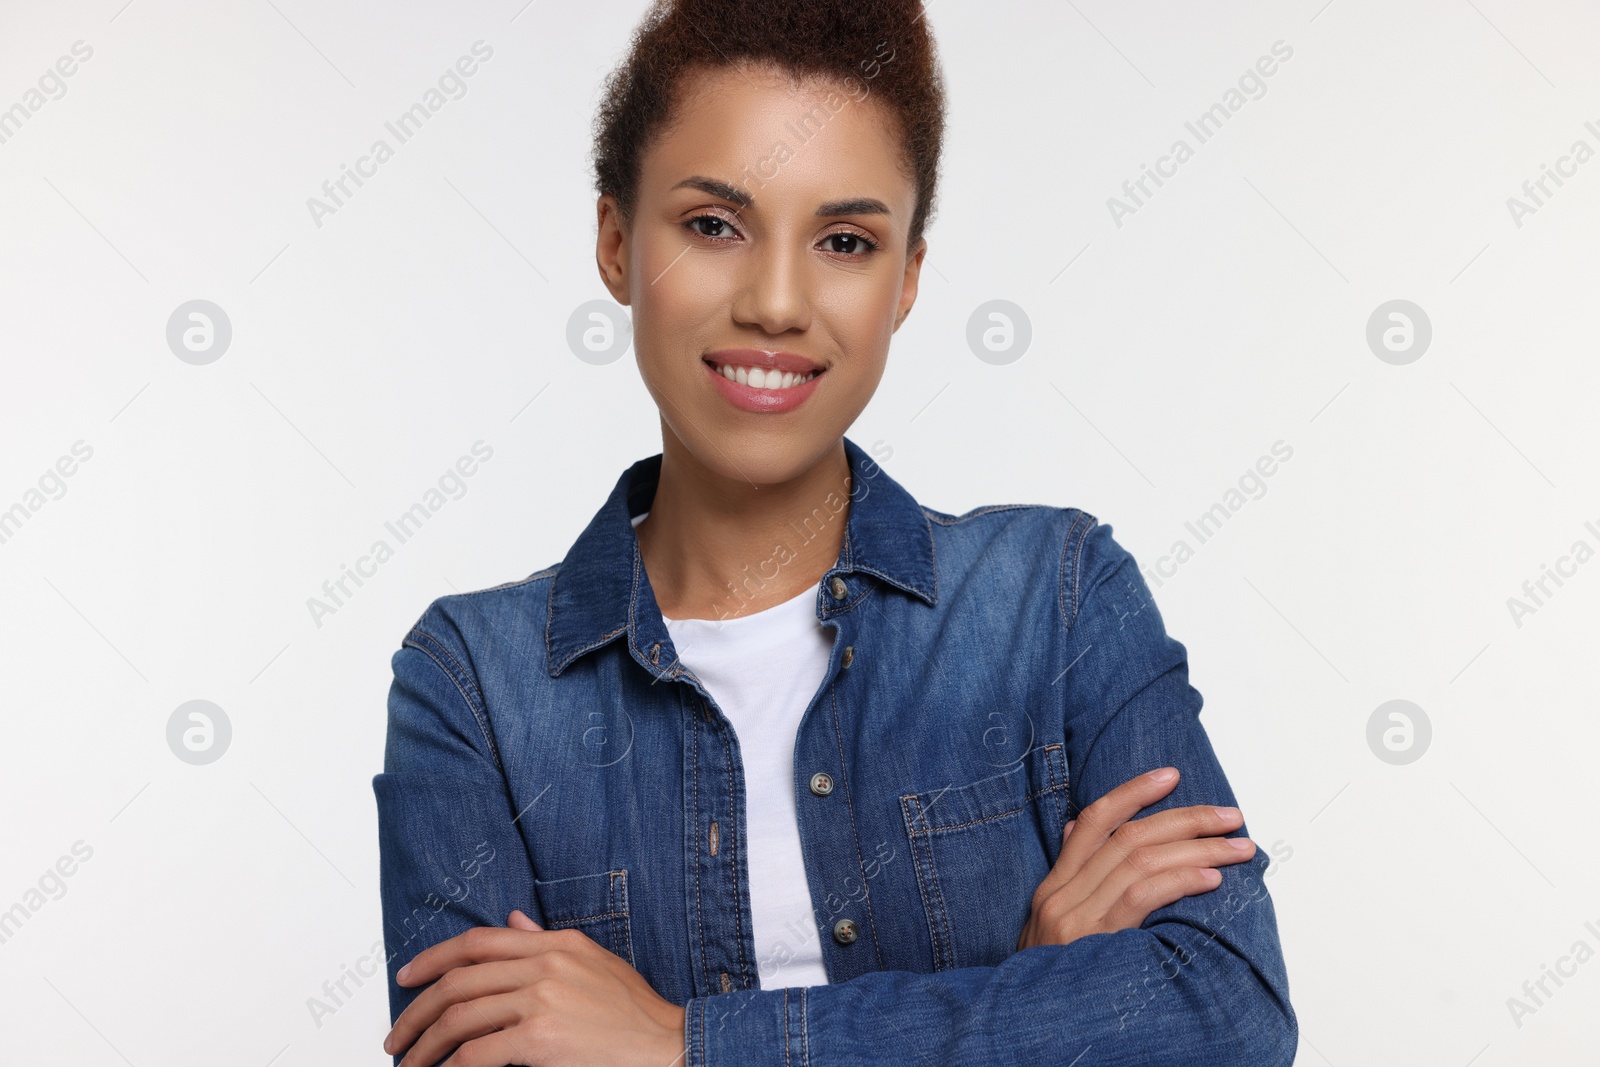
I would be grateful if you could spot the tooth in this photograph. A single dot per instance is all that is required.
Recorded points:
(788, 378)
(758, 378)
(727, 371)
(741, 376)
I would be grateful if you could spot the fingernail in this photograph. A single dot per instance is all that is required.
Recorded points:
(1164, 775)
(1227, 814)
(404, 972)
(1241, 844)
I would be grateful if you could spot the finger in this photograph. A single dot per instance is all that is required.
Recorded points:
(1151, 894)
(520, 921)
(477, 945)
(1173, 825)
(491, 1050)
(1154, 864)
(454, 987)
(1094, 892)
(1100, 819)
(1058, 874)
(464, 1021)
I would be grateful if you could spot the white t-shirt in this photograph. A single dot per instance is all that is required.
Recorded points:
(762, 669)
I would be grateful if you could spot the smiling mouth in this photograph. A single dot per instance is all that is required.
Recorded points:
(758, 377)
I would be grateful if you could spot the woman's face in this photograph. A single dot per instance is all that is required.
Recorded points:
(770, 229)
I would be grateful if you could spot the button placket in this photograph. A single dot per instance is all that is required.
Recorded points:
(718, 888)
(831, 851)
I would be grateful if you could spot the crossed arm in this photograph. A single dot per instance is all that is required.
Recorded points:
(520, 994)
(1151, 940)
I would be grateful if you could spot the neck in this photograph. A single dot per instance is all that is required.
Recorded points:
(716, 547)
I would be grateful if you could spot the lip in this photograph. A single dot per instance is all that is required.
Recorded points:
(761, 357)
(763, 401)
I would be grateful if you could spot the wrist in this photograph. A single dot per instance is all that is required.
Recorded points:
(677, 1045)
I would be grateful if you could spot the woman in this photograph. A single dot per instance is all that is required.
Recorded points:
(779, 766)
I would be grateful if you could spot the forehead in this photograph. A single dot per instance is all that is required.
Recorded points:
(780, 138)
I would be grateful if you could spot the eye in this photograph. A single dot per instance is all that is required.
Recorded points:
(864, 245)
(716, 225)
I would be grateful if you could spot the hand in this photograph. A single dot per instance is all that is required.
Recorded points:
(1112, 873)
(526, 995)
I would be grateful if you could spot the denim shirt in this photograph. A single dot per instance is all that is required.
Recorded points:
(991, 674)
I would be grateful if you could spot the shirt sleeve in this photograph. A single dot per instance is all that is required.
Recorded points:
(450, 855)
(1202, 981)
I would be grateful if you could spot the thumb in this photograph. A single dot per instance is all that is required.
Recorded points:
(520, 921)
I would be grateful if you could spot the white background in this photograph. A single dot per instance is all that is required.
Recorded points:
(1170, 352)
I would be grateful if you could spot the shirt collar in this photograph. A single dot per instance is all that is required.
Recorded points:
(600, 592)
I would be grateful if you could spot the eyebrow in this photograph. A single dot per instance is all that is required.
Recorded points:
(863, 205)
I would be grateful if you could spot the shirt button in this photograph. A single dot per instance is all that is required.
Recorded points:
(822, 783)
(849, 655)
(838, 588)
(845, 931)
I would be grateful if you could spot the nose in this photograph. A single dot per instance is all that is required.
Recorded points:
(774, 295)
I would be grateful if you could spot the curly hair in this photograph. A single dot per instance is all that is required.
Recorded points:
(884, 44)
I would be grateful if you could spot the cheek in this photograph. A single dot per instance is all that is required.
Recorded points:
(862, 313)
(675, 289)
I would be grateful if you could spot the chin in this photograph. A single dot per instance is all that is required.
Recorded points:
(763, 456)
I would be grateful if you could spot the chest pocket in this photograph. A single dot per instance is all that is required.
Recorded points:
(981, 849)
(596, 904)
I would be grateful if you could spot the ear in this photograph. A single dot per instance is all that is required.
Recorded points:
(611, 248)
(908, 284)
